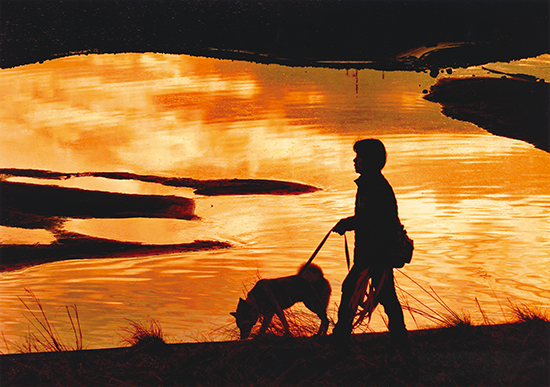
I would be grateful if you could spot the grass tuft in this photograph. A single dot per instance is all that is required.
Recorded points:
(146, 334)
(46, 338)
(455, 320)
(301, 322)
(528, 313)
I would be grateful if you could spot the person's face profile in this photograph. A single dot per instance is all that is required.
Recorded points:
(359, 164)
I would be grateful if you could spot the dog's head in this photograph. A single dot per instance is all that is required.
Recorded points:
(246, 316)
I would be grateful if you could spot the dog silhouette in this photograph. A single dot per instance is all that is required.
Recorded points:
(271, 296)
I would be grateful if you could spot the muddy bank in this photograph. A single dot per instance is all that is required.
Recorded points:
(52, 201)
(513, 107)
(43, 206)
(78, 246)
(35, 206)
(328, 33)
(201, 187)
(495, 355)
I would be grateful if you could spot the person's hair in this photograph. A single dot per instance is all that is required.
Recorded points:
(372, 151)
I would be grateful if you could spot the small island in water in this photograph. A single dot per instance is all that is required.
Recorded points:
(35, 206)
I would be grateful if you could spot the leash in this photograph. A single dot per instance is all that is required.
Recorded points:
(304, 268)
(314, 253)
(346, 249)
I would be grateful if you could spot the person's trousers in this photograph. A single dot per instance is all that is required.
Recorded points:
(386, 296)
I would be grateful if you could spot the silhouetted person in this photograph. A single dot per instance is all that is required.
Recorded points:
(376, 225)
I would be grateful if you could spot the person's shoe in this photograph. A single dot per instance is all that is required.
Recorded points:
(340, 338)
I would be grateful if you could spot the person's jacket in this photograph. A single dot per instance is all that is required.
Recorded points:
(376, 221)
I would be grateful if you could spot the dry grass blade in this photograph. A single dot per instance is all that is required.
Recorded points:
(426, 291)
(528, 314)
(435, 316)
(436, 297)
(76, 329)
(404, 300)
(220, 332)
(143, 333)
(486, 320)
(496, 298)
(6, 343)
(450, 319)
(50, 338)
(47, 338)
(301, 323)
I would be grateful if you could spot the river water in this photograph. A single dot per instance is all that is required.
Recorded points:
(476, 205)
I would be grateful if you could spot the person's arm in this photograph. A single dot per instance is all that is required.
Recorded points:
(346, 224)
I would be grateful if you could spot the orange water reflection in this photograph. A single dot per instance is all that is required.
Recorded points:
(149, 112)
(18, 236)
(477, 205)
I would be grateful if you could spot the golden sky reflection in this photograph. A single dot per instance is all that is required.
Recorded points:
(21, 236)
(477, 205)
(96, 112)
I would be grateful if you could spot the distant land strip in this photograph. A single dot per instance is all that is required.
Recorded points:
(78, 246)
(513, 106)
(19, 200)
(326, 33)
(202, 187)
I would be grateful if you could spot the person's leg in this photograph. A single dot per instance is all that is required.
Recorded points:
(392, 307)
(344, 326)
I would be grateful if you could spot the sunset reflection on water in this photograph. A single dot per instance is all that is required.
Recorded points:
(477, 205)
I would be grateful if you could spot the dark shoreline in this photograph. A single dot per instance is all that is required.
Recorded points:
(513, 354)
(77, 246)
(34, 206)
(46, 206)
(325, 33)
(214, 187)
(50, 201)
(511, 106)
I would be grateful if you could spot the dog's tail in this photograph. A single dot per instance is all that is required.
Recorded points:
(313, 272)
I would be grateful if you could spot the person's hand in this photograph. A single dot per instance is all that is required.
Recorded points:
(342, 226)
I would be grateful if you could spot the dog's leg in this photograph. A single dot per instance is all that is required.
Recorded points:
(324, 323)
(281, 315)
(266, 320)
(320, 310)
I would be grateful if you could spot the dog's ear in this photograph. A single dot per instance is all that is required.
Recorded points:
(234, 314)
(243, 306)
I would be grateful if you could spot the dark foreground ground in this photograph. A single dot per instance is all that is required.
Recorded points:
(492, 355)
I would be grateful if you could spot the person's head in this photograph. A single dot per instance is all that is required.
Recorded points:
(371, 155)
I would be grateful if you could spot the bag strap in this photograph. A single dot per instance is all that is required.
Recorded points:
(346, 249)
(314, 253)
